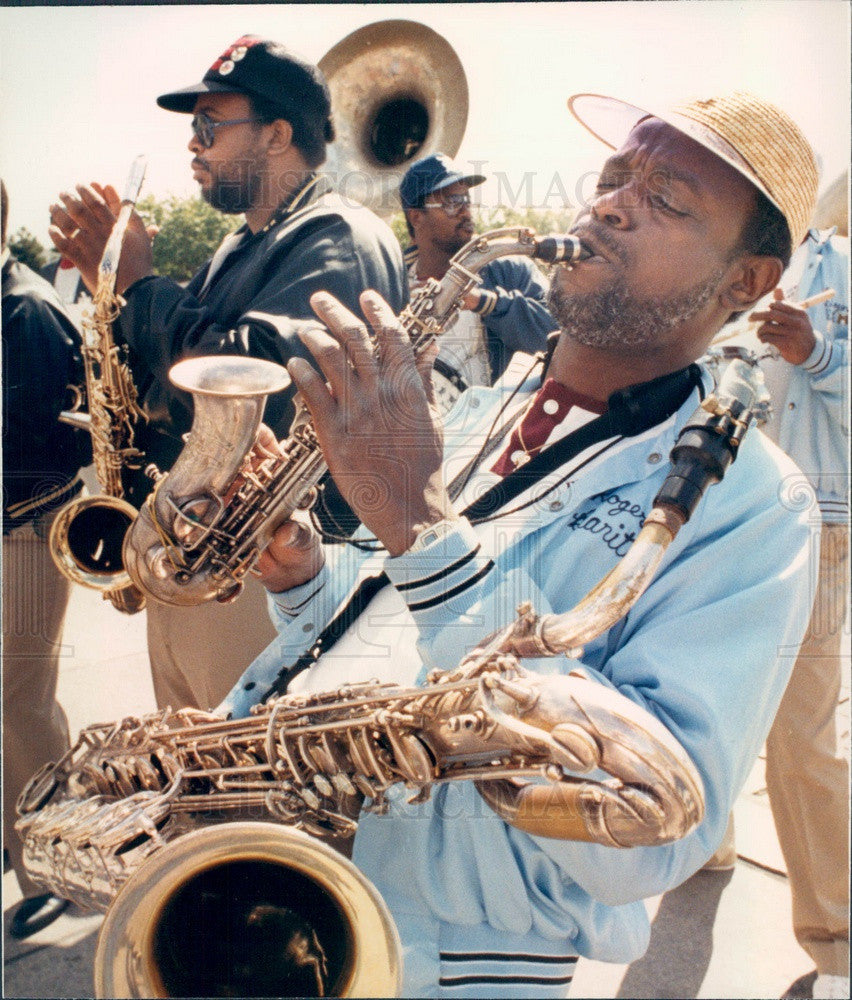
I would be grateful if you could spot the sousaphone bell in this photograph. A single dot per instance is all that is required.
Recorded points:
(398, 93)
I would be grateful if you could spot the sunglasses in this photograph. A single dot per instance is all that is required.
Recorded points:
(452, 204)
(204, 128)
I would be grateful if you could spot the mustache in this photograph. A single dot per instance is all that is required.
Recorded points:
(603, 238)
(198, 161)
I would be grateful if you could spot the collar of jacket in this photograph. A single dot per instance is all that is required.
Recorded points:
(313, 187)
(640, 406)
(821, 236)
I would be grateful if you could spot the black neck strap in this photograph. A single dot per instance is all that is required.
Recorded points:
(629, 412)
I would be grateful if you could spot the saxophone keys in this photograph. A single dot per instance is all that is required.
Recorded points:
(364, 786)
(343, 785)
(324, 786)
(310, 798)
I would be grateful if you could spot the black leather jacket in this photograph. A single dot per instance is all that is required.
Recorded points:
(253, 305)
(41, 457)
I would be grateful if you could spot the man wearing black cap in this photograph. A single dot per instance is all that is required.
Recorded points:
(261, 118)
(506, 313)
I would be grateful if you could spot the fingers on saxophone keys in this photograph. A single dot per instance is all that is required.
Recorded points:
(329, 355)
(312, 387)
(348, 331)
(387, 328)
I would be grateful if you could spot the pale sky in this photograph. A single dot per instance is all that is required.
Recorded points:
(78, 84)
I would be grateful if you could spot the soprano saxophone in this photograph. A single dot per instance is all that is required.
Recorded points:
(87, 535)
(197, 535)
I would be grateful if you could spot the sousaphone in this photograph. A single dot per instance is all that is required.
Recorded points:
(398, 93)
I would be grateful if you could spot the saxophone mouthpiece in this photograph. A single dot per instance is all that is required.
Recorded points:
(561, 249)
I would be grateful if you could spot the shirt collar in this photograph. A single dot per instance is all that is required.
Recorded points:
(645, 404)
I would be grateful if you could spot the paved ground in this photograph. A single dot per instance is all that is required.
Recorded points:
(718, 935)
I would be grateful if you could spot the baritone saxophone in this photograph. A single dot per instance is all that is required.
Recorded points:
(146, 817)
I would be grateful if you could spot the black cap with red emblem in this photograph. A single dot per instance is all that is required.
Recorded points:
(261, 68)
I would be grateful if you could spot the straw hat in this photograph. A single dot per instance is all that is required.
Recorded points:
(756, 138)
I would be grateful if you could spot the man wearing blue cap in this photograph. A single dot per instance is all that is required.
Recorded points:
(261, 119)
(506, 313)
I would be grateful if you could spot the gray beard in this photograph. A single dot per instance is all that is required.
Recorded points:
(614, 318)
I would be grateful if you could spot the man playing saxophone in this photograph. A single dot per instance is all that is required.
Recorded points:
(261, 121)
(531, 492)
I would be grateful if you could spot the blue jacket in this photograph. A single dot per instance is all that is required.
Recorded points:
(814, 428)
(699, 651)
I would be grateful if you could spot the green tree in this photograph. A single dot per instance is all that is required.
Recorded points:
(544, 221)
(27, 249)
(190, 231)
(400, 230)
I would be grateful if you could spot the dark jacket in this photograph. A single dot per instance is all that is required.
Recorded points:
(41, 457)
(513, 309)
(256, 301)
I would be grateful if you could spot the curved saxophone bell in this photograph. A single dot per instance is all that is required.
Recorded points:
(248, 909)
(85, 543)
(185, 518)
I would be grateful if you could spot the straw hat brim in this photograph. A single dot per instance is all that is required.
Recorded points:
(611, 120)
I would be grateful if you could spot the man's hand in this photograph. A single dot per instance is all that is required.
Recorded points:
(787, 327)
(81, 226)
(374, 416)
(471, 299)
(293, 556)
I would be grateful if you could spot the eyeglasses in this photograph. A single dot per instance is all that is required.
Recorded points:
(452, 203)
(204, 128)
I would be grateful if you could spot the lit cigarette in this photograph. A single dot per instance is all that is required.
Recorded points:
(753, 324)
(815, 300)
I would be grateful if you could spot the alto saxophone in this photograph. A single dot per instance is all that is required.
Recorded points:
(196, 537)
(87, 535)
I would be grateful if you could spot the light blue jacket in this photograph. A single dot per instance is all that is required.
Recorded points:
(700, 651)
(814, 426)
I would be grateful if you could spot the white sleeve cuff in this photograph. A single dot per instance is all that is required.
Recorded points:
(440, 571)
(820, 357)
